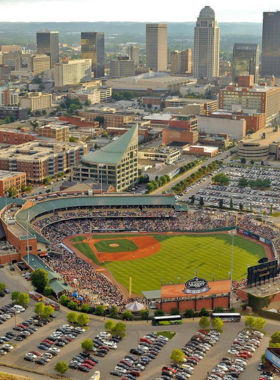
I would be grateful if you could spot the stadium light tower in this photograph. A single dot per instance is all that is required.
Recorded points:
(101, 166)
(232, 233)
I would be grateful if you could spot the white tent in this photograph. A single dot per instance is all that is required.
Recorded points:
(135, 306)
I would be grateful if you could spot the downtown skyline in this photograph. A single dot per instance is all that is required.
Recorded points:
(122, 11)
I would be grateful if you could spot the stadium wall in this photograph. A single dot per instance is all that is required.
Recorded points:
(196, 304)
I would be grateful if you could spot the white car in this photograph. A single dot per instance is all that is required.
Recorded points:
(161, 337)
(104, 334)
(31, 355)
(233, 352)
(7, 316)
(8, 346)
(47, 355)
(54, 349)
(120, 369)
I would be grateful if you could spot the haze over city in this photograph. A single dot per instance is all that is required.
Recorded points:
(86, 10)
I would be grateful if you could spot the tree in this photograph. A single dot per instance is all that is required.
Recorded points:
(177, 356)
(252, 162)
(174, 311)
(72, 317)
(158, 313)
(204, 312)
(72, 139)
(85, 308)
(113, 311)
(100, 119)
(64, 300)
(243, 160)
(87, 103)
(127, 315)
(87, 345)
(189, 313)
(218, 309)
(83, 319)
(39, 309)
(105, 134)
(99, 310)
(204, 322)
(7, 120)
(201, 201)
(72, 305)
(120, 327)
(2, 287)
(221, 178)
(221, 203)
(249, 321)
(23, 299)
(149, 106)
(144, 313)
(48, 291)
(61, 367)
(231, 203)
(48, 310)
(110, 325)
(243, 182)
(275, 338)
(217, 323)
(47, 180)
(259, 323)
(241, 206)
(40, 279)
(15, 295)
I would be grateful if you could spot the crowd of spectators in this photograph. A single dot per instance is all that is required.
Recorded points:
(267, 231)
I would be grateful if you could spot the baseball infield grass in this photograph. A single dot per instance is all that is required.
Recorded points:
(179, 257)
(123, 245)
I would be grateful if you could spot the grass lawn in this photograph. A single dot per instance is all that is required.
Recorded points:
(87, 251)
(124, 245)
(180, 255)
(78, 238)
(167, 334)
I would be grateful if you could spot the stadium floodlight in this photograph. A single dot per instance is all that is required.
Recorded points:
(232, 233)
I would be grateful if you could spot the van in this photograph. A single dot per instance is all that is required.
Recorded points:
(19, 308)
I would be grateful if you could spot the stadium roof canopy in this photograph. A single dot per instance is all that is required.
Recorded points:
(111, 153)
(46, 207)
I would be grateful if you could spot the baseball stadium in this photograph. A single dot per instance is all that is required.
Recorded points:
(113, 249)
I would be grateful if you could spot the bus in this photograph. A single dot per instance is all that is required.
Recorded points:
(227, 317)
(167, 320)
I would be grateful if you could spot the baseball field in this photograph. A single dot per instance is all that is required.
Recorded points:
(154, 259)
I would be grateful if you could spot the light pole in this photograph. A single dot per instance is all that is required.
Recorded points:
(232, 233)
(27, 224)
(213, 274)
(195, 272)
(101, 166)
(138, 340)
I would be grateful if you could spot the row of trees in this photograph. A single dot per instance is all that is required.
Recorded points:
(194, 177)
(188, 166)
(221, 179)
(255, 323)
(254, 184)
(20, 298)
(80, 319)
(158, 182)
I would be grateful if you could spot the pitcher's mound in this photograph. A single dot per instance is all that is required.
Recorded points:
(114, 245)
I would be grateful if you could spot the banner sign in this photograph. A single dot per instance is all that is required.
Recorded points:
(196, 286)
(261, 272)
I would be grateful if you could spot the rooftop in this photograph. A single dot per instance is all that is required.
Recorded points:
(113, 152)
(5, 174)
(159, 116)
(207, 149)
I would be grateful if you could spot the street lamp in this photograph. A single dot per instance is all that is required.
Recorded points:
(101, 166)
(213, 274)
(27, 224)
(138, 340)
(195, 272)
(232, 233)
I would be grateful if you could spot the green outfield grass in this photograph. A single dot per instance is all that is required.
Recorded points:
(124, 245)
(87, 251)
(180, 255)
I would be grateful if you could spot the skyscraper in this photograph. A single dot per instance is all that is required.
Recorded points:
(156, 47)
(92, 47)
(47, 43)
(181, 61)
(133, 53)
(271, 44)
(245, 61)
(206, 45)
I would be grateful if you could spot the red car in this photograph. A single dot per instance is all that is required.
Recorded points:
(127, 363)
(249, 354)
(194, 358)
(67, 338)
(48, 341)
(90, 362)
(173, 370)
(134, 373)
(243, 356)
(22, 326)
(146, 340)
(87, 365)
(37, 353)
(104, 348)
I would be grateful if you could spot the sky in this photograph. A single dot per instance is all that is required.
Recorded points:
(127, 10)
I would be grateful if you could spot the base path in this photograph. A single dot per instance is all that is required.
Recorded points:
(147, 246)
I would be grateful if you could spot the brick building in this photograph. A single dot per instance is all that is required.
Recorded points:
(181, 129)
(41, 159)
(56, 132)
(11, 180)
(111, 119)
(15, 137)
(79, 121)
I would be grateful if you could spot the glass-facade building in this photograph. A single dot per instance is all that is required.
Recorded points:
(271, 44)
(48, 43)
(245, 61)
(92, 47)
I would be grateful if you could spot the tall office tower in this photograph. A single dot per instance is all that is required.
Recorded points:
(122, 67)
(245, 61)
(206, 45)
(271, 44)
(92, 47)
(156, 47)
(47, 43)
(133, 53)
(181, 61)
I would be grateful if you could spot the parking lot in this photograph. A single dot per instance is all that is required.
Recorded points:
(253, 199)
